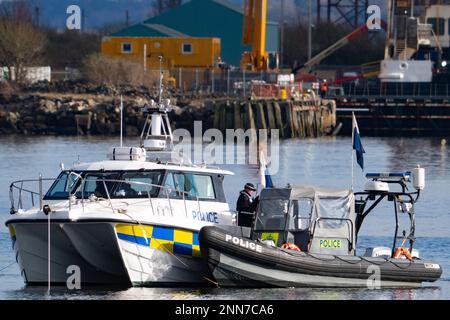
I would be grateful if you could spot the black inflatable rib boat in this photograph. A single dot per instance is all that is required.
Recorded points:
(323, 225)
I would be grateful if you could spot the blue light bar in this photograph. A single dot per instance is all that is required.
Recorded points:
(389, 175)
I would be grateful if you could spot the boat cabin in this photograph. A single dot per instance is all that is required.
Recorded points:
(135, 179)
(316, 220)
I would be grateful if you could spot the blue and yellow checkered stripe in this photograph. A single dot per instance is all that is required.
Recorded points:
(12, 233)
(169, 239)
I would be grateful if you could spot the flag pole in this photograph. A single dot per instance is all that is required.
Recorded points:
(353, 141)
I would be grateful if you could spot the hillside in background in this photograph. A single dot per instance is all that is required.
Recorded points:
(98, 13)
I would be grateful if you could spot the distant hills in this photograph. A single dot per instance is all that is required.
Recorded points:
(98, 13)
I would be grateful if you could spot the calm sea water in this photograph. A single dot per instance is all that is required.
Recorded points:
(321, 162)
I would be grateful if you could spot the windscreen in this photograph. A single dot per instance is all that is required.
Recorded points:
(61, 187)
(334, 216)
(272, 214)
(333, 211)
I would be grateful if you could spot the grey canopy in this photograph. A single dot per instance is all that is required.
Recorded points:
(332, 214)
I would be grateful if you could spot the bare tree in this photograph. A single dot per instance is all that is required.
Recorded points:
(159, 6)
(22, 44)
(99, 69)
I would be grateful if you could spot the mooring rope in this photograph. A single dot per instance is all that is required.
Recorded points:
(7, 266)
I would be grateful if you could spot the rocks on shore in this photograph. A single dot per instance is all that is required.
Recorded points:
(75, 108)
(72, 108)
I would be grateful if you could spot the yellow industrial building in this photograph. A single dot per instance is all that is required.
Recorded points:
(177, 52)
(200, 23)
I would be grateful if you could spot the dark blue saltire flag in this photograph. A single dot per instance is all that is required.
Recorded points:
(357, 145)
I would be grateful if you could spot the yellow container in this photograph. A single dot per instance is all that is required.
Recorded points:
(283, 94)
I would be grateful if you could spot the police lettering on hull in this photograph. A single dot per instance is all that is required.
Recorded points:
(205, 216)
(243, 243)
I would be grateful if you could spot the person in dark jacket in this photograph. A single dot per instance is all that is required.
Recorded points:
(246, 205)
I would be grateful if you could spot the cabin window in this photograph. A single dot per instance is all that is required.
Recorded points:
(61, 187)
(127, 47)
(138, 184)
(99, 184)
(272, 214)
(186, 48)
(192, 186)
(301, 211)
(438, 25)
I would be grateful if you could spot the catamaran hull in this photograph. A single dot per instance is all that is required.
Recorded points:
(97, 253)
(86, 252)
(162, 256)
(239, 262)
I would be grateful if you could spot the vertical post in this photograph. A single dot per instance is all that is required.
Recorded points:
(396, 227)
(48, 233)
(145, 58)
(196, 79)
(121, 120)
(40, 191)
(161, 74)
(179, 77)
(228, 80)
(212, 80)
(309, 30)
(353, 139)
(243, 82)
(48, 254)
(282, 33)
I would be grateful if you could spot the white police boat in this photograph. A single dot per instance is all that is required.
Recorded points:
(132, 219)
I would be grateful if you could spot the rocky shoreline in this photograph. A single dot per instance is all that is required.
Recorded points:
(79, 109)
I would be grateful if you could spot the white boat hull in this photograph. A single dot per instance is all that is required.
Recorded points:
(91, 247)
(162, 255)
(106, 255)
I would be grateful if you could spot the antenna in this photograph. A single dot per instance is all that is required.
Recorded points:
(157, 133)
(121, 120)
(161, 76)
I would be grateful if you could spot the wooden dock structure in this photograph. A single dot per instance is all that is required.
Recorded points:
(294, 119)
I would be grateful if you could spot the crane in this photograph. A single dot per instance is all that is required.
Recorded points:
(335, 46)
(254, 34)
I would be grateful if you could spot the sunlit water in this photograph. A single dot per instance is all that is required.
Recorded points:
(321, 162)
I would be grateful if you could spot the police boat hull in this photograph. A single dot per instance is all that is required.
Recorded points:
(114, 252)
(237, 261)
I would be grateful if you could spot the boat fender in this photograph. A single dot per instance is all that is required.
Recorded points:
(401, 251)
(290, 246)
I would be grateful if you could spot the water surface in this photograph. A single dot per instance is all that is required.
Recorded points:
(324, 162)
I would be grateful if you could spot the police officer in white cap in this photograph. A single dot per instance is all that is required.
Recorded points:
(246, 205)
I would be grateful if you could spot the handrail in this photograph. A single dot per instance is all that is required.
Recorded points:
(149, 186)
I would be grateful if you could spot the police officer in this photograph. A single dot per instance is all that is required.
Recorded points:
(246, 205)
